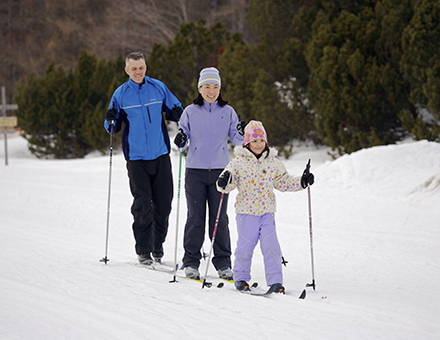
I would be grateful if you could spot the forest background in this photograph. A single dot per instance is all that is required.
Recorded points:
(345, 73)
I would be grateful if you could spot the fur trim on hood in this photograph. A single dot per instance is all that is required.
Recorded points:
(243, 151)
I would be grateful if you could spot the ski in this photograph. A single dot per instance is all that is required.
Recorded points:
(226, 280)
(157, 267)
(162, 267)
(205, 283)
(269, 292)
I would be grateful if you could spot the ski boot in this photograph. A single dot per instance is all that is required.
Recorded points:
(242, 286)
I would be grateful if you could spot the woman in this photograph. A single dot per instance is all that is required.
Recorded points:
(205, 126)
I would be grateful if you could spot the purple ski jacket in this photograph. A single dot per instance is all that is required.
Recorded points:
(208, 128)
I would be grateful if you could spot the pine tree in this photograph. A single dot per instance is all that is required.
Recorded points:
(194, 47)
(268, 81)
(45, 114)
(356, 85)
(62, 113)
(421, 65)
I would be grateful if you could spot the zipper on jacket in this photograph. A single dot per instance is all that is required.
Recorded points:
(149, 117)
(210, 136)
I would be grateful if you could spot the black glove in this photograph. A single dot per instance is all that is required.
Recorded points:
(177, 111)
(307, 177)
(223, 179)
(111, 115)
(240, 127)
(180, 139)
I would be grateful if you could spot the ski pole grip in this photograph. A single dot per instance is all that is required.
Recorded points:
(307, 170)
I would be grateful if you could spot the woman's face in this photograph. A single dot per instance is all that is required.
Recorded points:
(257, 146)
(209, 92)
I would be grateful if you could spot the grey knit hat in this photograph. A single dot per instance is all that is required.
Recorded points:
(209, 75)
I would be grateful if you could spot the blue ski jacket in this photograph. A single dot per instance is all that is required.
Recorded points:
(208, 128)
(140, 106)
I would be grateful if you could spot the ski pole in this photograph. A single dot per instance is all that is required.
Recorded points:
(177, 218)
(307, 171)
(208, 284)
(105, 259)
(283, 260)
(204, 255)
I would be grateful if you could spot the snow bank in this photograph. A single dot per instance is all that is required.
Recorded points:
(399, 171)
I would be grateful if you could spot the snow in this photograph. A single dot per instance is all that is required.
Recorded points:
(376, 235)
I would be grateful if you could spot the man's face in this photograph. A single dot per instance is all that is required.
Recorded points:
(136, 69)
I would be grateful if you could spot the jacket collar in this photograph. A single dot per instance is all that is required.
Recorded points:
(206, 105)
(242, 151)
(136, 85)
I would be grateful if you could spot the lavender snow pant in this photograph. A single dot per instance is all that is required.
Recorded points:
(251, 229)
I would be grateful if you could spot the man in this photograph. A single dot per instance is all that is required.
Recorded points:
(139, 103)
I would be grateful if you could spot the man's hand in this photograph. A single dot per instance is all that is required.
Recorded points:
(177, 111)
(111, 115)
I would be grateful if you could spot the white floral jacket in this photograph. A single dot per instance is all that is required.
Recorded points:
(255, 180)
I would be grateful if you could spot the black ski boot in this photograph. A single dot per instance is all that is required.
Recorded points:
(145, 259)
(278, 288)
(242, 286)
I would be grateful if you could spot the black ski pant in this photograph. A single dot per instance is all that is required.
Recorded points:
(151, 184)
(200, 190)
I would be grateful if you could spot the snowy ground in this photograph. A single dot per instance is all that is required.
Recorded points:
(376, 232)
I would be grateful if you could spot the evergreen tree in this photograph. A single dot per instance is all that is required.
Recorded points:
(62, 113)
(356, 85)
(421, 65)
(45, 114)
(267, 82)
(104, 78)
(194, 47)
(283, 30)
(237, 66)
(255, 94)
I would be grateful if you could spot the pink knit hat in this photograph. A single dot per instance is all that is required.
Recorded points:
(254, 130)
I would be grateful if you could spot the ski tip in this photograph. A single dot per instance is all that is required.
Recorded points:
(206, 284)
(303, 295)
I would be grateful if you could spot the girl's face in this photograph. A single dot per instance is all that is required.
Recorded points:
(209, 92)
(257, 146)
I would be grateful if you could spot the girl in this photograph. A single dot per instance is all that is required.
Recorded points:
(255, 172)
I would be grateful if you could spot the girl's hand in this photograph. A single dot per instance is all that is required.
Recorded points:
(223, 179)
